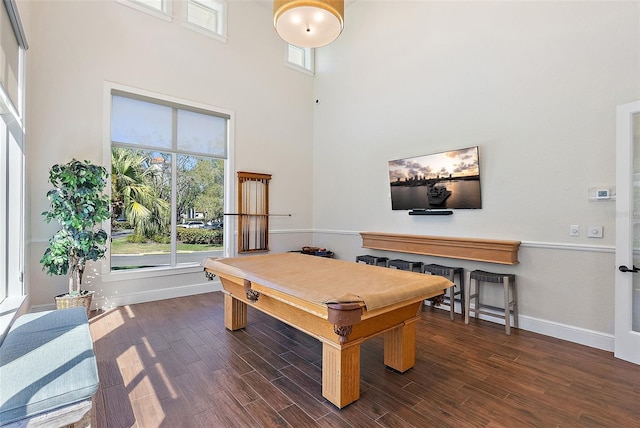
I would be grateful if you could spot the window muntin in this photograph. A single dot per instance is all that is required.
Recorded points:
(161, 189)
(208, 17)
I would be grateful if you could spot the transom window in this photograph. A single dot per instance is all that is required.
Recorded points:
(300, 58)
(158, 8)
(207, 17)
(167, 182)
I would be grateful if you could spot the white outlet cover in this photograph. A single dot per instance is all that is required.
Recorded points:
(594, 231)
(574, 230)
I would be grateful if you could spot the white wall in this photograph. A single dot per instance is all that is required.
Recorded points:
(75, 46)
(535, 85)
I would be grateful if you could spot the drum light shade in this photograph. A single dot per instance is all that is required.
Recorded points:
(308, 23)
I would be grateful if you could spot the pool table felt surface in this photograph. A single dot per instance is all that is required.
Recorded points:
(322, 280)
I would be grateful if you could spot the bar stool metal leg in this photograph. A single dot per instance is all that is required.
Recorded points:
(452, 295)
(514, 298)
(463, 293)
(507, 306)
(467, 297)
(477, 294)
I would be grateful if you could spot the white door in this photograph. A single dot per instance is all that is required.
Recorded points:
(627, 294)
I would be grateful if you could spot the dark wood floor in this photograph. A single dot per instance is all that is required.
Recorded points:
(172, 364)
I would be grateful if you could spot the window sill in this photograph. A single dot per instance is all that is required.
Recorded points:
(150, 273)
(9, 310)
(301, 69)
(211, 34)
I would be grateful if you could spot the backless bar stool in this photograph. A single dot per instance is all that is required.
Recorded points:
(508, 281)
(449, 273)
(405, 265)
(372, 260)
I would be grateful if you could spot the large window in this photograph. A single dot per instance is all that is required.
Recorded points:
(12, 211)
(167, 182)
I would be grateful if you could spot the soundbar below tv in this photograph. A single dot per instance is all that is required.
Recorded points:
(430, 212)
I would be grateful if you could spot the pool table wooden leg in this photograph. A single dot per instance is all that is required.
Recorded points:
(235, 313)
(400, 346)
(340, 373)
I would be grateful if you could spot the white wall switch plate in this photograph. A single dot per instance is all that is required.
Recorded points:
(594, 231)
(574, 230)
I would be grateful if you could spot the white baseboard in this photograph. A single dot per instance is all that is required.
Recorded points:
(109, 302)
(593, 339)
(160, 294)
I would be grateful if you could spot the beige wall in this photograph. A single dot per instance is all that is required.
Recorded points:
(76, 46)
(535, 85)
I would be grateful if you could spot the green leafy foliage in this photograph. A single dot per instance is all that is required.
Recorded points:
(120, 225)
(200, 236)
(161, 239)
(79, 205)
(136, 238)
(138, 192)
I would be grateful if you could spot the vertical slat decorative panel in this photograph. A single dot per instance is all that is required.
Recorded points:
(253, 212)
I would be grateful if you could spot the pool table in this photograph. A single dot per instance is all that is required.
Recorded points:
(338, 302)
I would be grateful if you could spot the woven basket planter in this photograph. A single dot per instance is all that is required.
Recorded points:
(64, 301)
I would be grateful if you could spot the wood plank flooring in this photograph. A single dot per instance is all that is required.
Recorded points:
(171, 363)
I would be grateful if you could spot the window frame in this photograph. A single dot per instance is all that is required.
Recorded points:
(229, 187)
(222, 20)
(309, 56)
(13, 185)
(165, 14)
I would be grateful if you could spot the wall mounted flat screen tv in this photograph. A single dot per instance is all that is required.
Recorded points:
(436, 181)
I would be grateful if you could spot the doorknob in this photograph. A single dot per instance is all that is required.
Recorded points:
(623, 268)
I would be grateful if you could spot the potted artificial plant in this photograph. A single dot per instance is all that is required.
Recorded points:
(79, 206)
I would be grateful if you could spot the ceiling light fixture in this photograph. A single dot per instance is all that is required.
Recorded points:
(308, 23)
